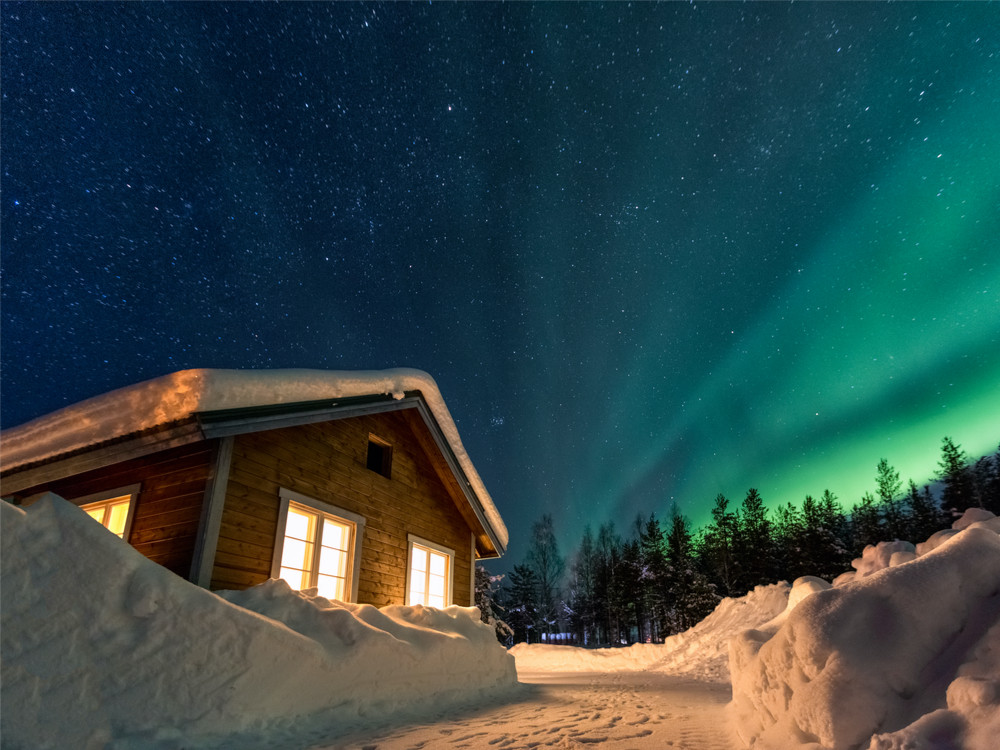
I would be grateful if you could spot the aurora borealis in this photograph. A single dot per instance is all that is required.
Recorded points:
(649, 252)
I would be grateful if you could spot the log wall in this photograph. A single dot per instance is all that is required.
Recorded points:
(168, 506)
(327, 461)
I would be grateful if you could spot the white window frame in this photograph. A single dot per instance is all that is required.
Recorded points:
(288, 497)
(413, 539)
(132, 491)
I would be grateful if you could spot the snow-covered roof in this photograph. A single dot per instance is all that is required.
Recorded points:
(183, 394)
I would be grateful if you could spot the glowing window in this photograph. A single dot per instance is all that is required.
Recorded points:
(318, 548)
(429, 574)
(112, 513)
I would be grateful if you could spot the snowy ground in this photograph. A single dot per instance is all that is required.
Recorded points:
(645, 697)
(636, 710)
(99, 648)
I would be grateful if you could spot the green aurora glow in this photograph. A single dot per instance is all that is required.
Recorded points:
(887, 340)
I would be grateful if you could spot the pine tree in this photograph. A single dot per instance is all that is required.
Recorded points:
(790, 540)
(866, 524)
(888, 483)
(548, 565)
(832, 516)
(607, 609)
(925, 515)
(756, 550)
(991, 494)
(981, 475)
(694, 596)
(582, 589)
(521, 604)
(654, 570)
(719, 546)
(957, 494)
(630, 593)
(826, 551)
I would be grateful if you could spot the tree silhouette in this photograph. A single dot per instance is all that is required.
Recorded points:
(522, 604)
(957, 494)
(888, 483)
(548, 566)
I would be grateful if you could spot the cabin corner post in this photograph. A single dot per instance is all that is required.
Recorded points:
(203, 561)
(472, 570)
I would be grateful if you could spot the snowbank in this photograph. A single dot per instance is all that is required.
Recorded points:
(99, 645)
(700, 652)
(902, 653)
(179, 395)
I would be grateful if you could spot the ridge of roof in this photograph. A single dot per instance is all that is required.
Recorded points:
(182, 394)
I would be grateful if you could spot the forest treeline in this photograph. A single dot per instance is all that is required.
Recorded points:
(656, 578)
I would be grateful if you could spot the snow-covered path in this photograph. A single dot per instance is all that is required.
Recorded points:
(626, 710)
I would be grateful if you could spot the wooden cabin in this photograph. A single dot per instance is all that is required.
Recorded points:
(226, 479)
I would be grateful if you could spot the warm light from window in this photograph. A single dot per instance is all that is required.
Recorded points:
(428, 577)
(111, 514)
(315, 552)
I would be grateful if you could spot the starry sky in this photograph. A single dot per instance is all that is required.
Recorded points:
(649, 252)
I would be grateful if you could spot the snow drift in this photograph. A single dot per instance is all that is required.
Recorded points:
(700, 652)
(101, 645)
(902, 653)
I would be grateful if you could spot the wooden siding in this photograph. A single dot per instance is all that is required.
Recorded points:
(327, 461)
(168, 507)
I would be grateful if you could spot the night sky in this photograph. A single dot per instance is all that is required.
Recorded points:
(649, 252)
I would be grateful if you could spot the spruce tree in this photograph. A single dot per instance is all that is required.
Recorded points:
(606, 605)
(957, 494)
(654, 568)
(548, 565)
(981, 475)
(991, 494)
(791, 543)
(756, 549)
(719, 546)
(630, 593)
(694, 596)
(866, 525)
(888, 483)
(827, 555)
(521, 604)
(925, 515)
(833, 516)
(582, 588)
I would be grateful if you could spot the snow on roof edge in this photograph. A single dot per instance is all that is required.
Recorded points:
(178, 395)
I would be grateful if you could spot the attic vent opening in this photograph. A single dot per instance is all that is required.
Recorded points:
(380, 456)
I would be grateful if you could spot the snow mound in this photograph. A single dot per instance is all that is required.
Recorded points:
(905, 654)
(703, 651)
(181, 394)
(698, 652)
(880, 556)
(99, 645)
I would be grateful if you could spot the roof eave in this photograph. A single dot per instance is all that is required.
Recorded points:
(208, 425)
(453, 463)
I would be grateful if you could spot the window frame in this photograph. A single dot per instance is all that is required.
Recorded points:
(288, 498)
(102, 497)
(412, 540)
